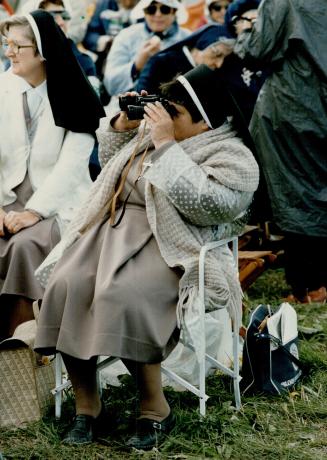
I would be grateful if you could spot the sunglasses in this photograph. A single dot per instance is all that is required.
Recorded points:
(63, 13)
(152, 9)
(217, 7)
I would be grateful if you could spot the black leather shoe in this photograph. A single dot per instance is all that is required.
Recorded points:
(85, 428)
(81, 430)
(150, 433)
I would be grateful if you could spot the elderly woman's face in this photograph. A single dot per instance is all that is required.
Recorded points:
(213, 56)
(159, 17)
(21, 52)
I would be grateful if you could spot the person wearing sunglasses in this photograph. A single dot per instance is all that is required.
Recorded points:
(217, 10)
(46, 138)
(134, 45)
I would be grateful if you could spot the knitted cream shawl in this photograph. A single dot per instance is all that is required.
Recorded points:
(224, 158)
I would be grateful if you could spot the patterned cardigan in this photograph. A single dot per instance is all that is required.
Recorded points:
(196, 191)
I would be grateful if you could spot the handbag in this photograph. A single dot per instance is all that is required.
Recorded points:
(270, 354)
(26, 378)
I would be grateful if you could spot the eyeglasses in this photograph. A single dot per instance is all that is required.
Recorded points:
(152, 9)
(217, 7)
(15, 47)
(63, 13)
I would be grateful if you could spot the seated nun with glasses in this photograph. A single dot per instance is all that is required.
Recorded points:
(128, 261)
(45, 143)
(134, 45)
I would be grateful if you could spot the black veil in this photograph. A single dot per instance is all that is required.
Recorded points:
(74, 103)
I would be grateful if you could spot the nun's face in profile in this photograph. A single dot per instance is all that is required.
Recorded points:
(184, 126)
(159, 17)
(24, 60)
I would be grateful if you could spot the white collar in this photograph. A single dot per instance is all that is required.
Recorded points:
(41, 89)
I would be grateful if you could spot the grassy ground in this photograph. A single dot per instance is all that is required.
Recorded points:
(292, 427)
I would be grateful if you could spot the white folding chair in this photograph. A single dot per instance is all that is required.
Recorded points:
(234, 372)
(62, 384)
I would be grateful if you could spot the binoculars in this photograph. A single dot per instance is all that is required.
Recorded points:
(134, 105)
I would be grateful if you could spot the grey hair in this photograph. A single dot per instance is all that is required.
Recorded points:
(17, 21)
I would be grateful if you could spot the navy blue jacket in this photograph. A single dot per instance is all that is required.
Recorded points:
(98, 25)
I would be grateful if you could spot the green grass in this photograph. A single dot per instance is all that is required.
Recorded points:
(291, 427)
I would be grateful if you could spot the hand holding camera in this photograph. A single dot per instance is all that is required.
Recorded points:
(122, 122)
(160, 123)
(133, 104)
(155, 110)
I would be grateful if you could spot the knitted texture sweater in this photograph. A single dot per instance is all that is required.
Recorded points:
(197, 191)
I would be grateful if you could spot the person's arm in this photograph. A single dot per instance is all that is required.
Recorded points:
(123, 64)
(118, 71)
(266, 40)
(194, 189)
(66, 178)
(113, 135)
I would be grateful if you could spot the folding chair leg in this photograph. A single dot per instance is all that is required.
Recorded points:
(58, 395)
(236, 368)
(202, 387)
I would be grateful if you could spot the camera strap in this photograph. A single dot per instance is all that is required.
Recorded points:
(123, 180)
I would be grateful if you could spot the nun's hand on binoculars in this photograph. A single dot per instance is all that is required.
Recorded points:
(121, 122)
(160, 123)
